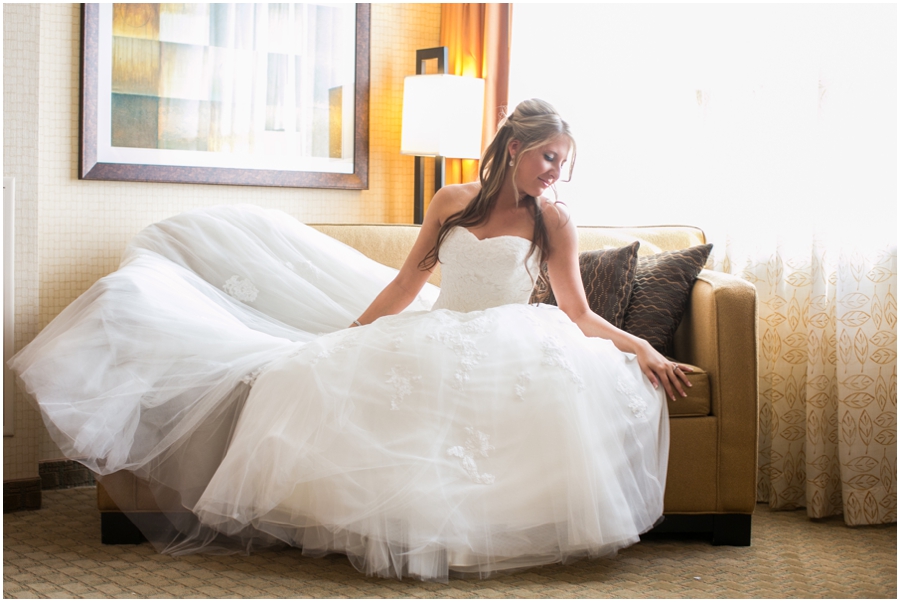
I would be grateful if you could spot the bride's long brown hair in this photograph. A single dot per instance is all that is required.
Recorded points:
(533, 123)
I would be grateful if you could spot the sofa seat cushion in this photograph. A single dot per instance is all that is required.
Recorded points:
(697, 402)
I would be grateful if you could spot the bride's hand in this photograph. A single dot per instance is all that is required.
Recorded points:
(658, 369)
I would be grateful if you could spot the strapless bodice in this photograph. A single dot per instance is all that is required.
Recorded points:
(477, 274)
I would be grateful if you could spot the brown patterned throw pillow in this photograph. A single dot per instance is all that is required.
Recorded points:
(608, 277)
(662, 287)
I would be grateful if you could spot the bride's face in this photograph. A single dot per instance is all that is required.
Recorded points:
(540, 167)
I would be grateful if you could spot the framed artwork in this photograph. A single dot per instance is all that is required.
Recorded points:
(245, 94)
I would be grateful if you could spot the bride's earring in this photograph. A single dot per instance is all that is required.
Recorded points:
(510, 163)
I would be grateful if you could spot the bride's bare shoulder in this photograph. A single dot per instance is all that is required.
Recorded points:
(453, 198)
(556, 215)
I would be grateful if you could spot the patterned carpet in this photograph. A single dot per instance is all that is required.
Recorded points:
(55, 552)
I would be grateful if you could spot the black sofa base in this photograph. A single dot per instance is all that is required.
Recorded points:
(723, 529)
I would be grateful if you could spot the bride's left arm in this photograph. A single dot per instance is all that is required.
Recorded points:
(565, 280)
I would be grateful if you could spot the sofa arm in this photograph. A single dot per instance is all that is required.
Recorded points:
(718, 334)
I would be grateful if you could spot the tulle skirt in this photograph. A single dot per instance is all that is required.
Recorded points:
(440, 441)
(215, 364)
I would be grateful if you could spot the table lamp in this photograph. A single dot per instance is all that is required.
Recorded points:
(442, 118)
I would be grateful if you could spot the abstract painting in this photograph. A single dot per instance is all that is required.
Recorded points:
(250, 94)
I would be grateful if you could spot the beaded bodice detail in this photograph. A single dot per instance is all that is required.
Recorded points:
(477, 274)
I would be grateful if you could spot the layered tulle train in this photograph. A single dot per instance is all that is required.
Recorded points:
(216, 365)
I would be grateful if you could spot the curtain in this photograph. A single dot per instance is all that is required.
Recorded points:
(477, 37)
(773, 128)
(827, 379)
(783, 136)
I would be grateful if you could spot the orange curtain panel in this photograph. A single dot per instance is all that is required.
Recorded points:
(477, 38)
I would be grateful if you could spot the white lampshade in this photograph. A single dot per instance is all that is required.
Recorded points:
(442, 116)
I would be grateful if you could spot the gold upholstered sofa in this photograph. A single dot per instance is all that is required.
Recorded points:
(711, 486)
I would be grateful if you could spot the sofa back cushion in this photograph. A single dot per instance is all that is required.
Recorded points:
(653, 239)
(390, 243)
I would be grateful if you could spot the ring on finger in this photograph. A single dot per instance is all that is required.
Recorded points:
(676, 367)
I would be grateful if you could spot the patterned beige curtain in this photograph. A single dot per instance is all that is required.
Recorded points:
(827, 378)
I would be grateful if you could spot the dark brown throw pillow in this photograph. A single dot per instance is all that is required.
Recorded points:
(662, 287)
(608, 277)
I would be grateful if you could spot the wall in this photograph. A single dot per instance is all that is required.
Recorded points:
(72, 232)
(21, 52)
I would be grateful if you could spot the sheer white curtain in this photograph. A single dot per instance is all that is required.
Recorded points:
(773, 128)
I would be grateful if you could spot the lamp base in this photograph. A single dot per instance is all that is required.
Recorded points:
(419, 201)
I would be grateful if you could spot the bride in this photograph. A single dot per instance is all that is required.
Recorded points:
(468, 433)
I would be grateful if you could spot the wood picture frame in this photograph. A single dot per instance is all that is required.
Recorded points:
(111, 126)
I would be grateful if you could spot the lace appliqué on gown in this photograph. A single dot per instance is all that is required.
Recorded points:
(477, 443)
(328, 351)
(250, 379)
(523, 381)
(307, 269)
(636, 403)
(402, 381)
(460, 338)
(240, 289)
(322, 348)
(554, 356)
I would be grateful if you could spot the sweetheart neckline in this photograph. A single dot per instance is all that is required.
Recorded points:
(494, 237)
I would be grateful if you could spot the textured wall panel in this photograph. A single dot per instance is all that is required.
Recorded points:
(21, 32)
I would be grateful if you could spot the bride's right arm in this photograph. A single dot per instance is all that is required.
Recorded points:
(403, 289)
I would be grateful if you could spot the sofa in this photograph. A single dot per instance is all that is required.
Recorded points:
(711, 486)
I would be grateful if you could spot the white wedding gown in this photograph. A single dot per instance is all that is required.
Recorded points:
(484, 434)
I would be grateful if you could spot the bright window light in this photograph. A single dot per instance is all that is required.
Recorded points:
(751, 118)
